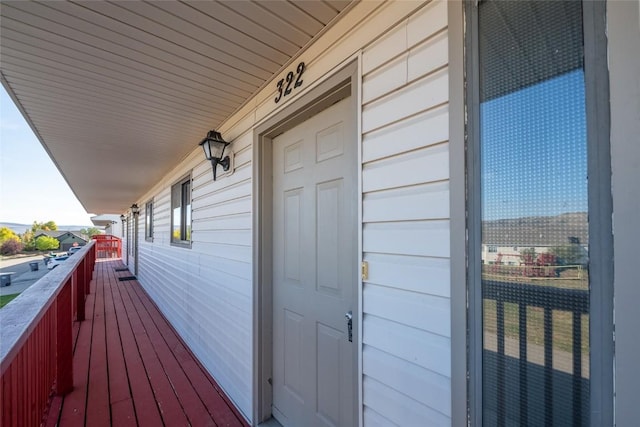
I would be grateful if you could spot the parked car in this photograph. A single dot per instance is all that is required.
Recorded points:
(73, 250)
(48, 257)
(54, 262)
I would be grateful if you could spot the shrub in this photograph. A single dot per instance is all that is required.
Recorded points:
(11, 247)
(30, 245)
(7, 234)
(46, 243)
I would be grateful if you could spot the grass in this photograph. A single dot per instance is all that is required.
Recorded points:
(569, 277)
(6, 299)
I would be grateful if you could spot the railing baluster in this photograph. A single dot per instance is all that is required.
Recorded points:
(522, 326)
(548, 366)
(550, 299)
(80, 291)
(577, 369)
(64, 340)
(500, 367)
(29, 380)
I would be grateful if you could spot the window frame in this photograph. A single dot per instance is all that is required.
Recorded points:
(183, 242)
(600, 208)
(148, 221)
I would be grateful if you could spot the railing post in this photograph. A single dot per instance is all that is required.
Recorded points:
(87, 274)
(64, 341)
(93, 263)
(74, 293)
(90, 261)
(81, 290)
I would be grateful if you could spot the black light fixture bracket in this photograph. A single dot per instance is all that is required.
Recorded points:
(214, 146)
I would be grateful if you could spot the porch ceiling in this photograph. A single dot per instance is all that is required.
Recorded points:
(117, 92)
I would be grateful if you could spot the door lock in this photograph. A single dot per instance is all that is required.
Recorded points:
(349, 316)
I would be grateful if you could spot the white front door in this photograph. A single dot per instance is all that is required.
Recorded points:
(314, 271)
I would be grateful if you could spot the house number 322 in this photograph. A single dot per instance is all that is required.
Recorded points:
(284, 86)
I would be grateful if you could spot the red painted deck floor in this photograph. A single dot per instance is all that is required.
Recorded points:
(131, 368)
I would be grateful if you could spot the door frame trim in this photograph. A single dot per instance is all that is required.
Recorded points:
(341, 82)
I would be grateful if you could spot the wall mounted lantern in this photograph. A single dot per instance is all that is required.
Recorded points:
(213, 146)
(123, 218)
(135, 210)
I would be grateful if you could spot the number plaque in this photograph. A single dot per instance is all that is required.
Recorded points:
(290, 82)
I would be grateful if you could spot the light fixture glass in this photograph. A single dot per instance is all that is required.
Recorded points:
(213, 146)
(135, 209)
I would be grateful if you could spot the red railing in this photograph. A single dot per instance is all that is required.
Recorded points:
(108, 246)
(36, 340)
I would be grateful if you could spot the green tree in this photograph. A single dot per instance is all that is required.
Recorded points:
(91, 231)
(46, 243)
(569, 254)
(529, 252)
(28, 241)
(7, 234)
(46, 226)
(51, 225)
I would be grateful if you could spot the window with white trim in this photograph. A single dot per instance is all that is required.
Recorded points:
(181, 212)
(148, 221)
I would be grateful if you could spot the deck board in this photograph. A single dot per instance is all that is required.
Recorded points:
(98, 411)
(122, 408)
(192, 370)
(132, 369)
(193, 407)
(143, 398)
(73, 405)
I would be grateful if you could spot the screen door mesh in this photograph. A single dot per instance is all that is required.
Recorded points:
(535, 279)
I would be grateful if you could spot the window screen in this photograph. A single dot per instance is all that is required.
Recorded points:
(533, 161)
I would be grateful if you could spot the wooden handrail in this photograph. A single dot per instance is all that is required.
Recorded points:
(36, 339)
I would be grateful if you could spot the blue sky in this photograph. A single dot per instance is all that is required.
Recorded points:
(534, 152)
(31, 187)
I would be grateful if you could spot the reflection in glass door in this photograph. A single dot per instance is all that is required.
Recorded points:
(534, 216)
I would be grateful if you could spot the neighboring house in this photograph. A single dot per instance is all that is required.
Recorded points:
(331, 276)
(506, 240)
(67, 239)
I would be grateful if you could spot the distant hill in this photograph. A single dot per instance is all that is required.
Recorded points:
(537, 231)
(20, 228)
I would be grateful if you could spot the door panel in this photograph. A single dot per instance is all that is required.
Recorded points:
(328, 236)
(292, 234)
(294, 354)
(314, 271)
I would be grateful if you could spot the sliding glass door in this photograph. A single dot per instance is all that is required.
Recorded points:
(532, 254)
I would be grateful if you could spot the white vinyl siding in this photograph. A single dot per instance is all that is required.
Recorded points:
(406, 308)
(206, 291)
